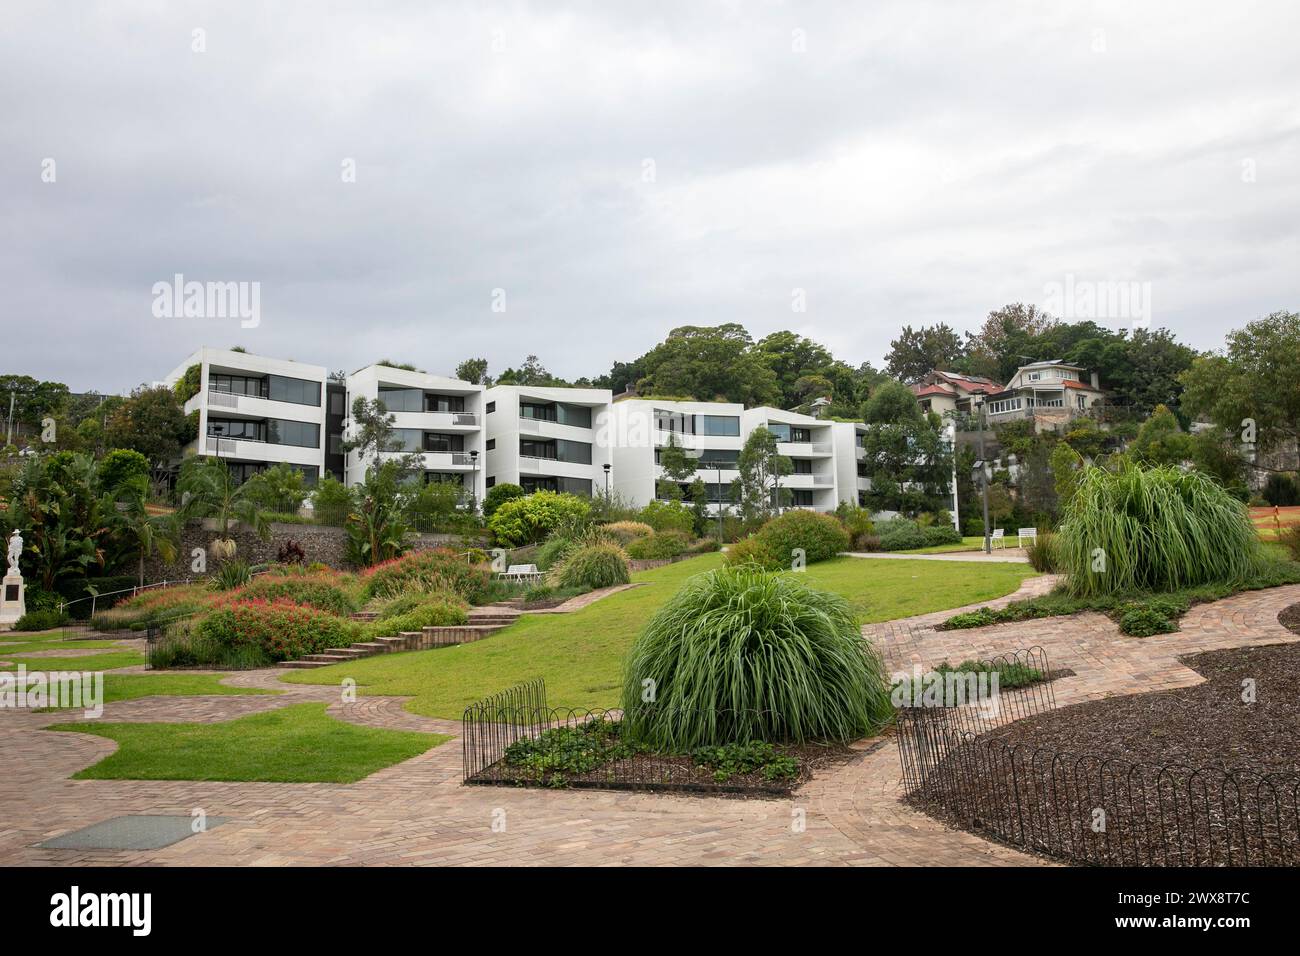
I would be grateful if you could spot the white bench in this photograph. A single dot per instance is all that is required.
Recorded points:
(1030, 533)
(998, 539)
(522, 572)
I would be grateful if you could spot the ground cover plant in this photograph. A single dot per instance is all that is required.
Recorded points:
(439, 569)
(295, 744)
(581, 654)
(593, 566)
(1138, 613)
(743, 654)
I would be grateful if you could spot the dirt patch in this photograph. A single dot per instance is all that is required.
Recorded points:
(1290, 618)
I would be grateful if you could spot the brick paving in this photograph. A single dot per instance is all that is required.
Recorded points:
(418, 813)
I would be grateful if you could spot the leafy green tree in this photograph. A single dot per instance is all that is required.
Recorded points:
(498, 495)
(280, 488)
(1066, 464)
(120, 465)
(904, 452)
(151, 422)
(209, 489)
(1255, 380)
(532, 372)
(1215, 452)
(917, 351)
(474, 370)
(530, 519)
(757, 491)
(1008, 335)
(709, 363)
(64, 517)
(678, 468)
(144, 532)
(1161, 441)
(374, 434)
(33, 400)
(377, 526)
(794, 358)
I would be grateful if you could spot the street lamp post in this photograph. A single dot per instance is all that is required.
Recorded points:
(983, 476)
(473, 488)
(607, 468)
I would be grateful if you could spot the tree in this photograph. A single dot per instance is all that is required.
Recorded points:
(792, 358)
(1066, 464)
(757, 490)
(145, 531)
(1254, 383)
(376, 527)
(474, 370)
(120, 465)
(152, 422)
(904, 453)
(1215, 452)
(498, 495)
(708, 363)
(1160, 440)
(1007, 336)
(918, 351)
(33, 400)
(64, 518)
(678, 468)
(532, 372)
(280, 488)
(373, 434)
(209, 490)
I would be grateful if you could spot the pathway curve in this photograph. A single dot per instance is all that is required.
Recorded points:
(418, 812)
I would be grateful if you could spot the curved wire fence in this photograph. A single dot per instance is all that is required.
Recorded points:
(515, 738)
(1089, 808)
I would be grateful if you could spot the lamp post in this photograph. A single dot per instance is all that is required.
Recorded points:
(607, 468)
(216, 431)
(983, 476)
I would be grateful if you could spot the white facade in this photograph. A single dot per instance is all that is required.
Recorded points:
(850, 483)
(547, 438)
(256, 411)
(809, 444)
(441, 419)
(711, 432)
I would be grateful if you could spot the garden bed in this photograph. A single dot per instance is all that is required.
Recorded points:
(1193, 776)
(1290, 618)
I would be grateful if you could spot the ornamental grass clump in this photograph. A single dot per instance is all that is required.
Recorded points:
(741, 654)
(592, 566)
(1130, 527)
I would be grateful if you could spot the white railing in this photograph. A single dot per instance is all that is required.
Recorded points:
(221, 399)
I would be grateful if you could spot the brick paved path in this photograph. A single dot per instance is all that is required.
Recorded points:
(417, 811)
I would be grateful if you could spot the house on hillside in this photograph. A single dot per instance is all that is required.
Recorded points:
(1050, 393)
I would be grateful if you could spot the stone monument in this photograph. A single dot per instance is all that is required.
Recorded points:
(13, 600)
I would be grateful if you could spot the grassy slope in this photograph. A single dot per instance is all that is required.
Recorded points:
(968, 543)
(133, 686)
(295, 744)
(581, 654)
(89, 662)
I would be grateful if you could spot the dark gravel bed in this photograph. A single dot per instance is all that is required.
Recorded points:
(1194, 776)
(1290, 618)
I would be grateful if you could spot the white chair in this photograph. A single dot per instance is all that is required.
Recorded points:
(1030, 533)
(998, 539)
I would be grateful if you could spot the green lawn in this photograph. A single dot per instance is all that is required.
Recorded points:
(132, 686)
(295, 744)
(581, 654)
(968, 543)
(90, 662)
(13, 647)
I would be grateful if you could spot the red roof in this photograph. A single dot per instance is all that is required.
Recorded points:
(933, 390)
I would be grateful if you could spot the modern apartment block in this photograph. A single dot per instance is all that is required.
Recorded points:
(711, 432)
(547, 439)
(256, 412)
(809, 444)
(851, 481)
(440, 419)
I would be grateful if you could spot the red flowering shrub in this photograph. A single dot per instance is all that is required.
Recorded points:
(282, 631)
(322, 591)
(438, 570)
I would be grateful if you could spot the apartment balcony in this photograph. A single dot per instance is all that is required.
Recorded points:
(254, 405)
(531, 465)
(438, 421)
(244, 449)
(805, 449)
(808, 482)
(543, 428)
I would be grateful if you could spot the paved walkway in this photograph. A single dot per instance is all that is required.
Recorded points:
(417, 812)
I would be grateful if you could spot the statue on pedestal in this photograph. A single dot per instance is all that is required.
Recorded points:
(15, 552)
(13, 600)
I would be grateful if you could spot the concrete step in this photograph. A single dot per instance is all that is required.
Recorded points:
(372, 647)
(303, 664)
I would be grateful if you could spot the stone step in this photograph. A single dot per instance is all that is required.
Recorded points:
(372, 647)
(330, 658)
(302, 664)
(364, 615)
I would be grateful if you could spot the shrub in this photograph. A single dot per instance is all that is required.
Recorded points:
(655, 547)
(319, 591)
(1144, 618)
(668, 516)
(704, 546)
(751, 553)
(857, 521)
(279, 631)
(866, 542)
(290, 552)
(1290, 539)
(1282, 490)
(439, 610)
(1155, 529)
(40, 620)
(530, 519)
(437, 570)
(498, 495)
(937, 534)
(1042, 553)
(899, 534)
(154, 605)
(230, 574)
(627, 531)
(820, 536)
(730, 760)
(592, 566)
(740, 654)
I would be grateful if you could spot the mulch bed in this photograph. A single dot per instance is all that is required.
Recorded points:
(1290, 618)
(1193, 776)
(656, 772)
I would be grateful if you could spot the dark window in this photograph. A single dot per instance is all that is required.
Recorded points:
(542, 413)
(299, 391)
(401, 399)
(492, 480)
(802, 466)
(434, 441)
(720, 458)
(491, 444)
(719, 425)
(237, 384)
(444, 403)
(444, 477)
(491, 407)
(337, 402)
(675, 422)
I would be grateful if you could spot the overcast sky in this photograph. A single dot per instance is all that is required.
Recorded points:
(619, 169)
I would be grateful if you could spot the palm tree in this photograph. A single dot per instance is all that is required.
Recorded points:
(147, 532)
(209, 490)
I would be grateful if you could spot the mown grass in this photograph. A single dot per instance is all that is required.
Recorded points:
(968, 543)
(134, 686)
(295, 744)
(581, 654)
(89, 662)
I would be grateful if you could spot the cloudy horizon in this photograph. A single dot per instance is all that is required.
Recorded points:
(389, 175)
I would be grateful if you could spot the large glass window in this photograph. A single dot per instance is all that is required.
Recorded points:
(573, 486)
(719, 458)
(434, 441)
(280, 431)
(237, 384)
(236, 428)
(802, 466)
(576, 415)
(676, 422)
(719, 425)
(408, 439)
(538, 411)
(444, 403)
(281, 388)
(444, 477)
(401, 399)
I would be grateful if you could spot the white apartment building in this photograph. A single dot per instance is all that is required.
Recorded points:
(256, 412)
(711, 432)
(851, 481)
(810, 445)
(440, 419)
(545, 438)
